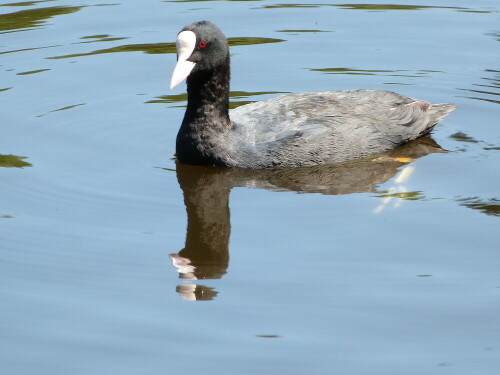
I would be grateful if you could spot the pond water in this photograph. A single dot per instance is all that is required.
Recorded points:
(116, 260)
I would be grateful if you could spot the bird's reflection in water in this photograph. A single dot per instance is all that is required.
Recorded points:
(206, 196)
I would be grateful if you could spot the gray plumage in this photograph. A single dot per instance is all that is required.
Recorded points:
(294, 130)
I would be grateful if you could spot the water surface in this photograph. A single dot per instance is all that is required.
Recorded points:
(115, 259)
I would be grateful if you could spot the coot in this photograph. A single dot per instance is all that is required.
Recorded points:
(294, 130)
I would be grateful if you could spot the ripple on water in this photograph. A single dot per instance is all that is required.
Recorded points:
(13, 161)
(339, 259)
(489, 90)
(32, 72)
(376, 7)
(160, 48)
(32, 18)
(371, 72)
(235, 98)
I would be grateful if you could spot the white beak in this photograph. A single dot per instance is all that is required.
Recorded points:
(186, 42)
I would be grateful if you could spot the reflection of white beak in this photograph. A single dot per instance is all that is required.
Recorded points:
(186, 42)
(184, 267)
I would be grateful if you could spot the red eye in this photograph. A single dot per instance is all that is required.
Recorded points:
(202, 44)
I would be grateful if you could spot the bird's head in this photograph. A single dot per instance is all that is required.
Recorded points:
(200, 46)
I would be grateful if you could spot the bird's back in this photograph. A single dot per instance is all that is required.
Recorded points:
(326, 127)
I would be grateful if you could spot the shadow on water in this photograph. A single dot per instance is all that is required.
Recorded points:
(206, 197)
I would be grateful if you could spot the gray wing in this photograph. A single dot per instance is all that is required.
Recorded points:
(325, 127)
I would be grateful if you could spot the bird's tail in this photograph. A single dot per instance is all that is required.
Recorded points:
(437, 112)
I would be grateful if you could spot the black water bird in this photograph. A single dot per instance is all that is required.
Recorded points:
(294, 130)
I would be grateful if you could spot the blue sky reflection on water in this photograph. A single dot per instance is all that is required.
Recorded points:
(384, 265)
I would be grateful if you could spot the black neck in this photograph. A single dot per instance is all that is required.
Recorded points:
(208, 98)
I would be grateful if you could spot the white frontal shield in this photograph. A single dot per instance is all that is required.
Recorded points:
(185, 43)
